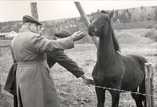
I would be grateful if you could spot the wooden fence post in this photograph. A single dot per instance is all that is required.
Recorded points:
(0, 75)
(34, 10)
(152, 84)
(84, 17)
(0, 85)
(149, 85)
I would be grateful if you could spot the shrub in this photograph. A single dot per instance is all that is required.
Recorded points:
(152, 34)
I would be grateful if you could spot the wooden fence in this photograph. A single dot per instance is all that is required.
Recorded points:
(149, 85)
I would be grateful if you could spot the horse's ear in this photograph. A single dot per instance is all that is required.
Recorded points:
(111, 14)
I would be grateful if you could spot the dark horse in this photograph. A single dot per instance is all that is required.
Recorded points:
(113, 70)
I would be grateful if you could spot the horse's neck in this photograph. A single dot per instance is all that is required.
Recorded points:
(106, 50)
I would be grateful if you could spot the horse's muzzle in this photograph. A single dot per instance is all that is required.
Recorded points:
(91, 30)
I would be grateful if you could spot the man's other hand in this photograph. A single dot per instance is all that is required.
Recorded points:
(78, 35)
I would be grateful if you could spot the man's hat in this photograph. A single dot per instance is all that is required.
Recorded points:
(27, 18)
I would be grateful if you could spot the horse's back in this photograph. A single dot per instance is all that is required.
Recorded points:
(135, 60)
(134, 71)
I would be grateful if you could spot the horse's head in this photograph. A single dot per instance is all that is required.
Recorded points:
(101, 25)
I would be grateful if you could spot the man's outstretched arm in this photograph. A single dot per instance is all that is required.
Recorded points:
(60, 57)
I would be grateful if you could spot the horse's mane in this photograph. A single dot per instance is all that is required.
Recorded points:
(115, 41)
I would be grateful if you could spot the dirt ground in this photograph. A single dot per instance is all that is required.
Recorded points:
(72, 92)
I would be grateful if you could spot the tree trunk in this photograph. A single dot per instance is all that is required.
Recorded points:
(34, 10)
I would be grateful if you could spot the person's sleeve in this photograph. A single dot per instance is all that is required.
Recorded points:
(60, 57)
(42, 44)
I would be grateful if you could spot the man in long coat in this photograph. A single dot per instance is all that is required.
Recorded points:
(35, 87)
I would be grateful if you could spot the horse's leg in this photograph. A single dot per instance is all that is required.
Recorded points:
(100, 96)
(138, 99)
(115, 98)
(142, 89)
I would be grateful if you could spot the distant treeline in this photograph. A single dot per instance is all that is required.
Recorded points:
(122, 19)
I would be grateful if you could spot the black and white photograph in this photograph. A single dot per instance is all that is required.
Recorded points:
(78, 53)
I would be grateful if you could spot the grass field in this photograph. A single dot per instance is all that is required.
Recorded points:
(73, 93)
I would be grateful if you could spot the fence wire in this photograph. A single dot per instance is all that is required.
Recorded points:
(125, 91)
(120, 90)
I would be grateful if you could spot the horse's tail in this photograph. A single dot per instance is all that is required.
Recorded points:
(142, 88)
(142, 61)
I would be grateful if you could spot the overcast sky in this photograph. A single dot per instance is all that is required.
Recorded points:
(55, 9)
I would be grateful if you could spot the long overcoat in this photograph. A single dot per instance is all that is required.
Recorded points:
(35, 87)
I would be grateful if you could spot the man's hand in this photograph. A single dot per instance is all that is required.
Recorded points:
(87, 81)
(78, 35)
